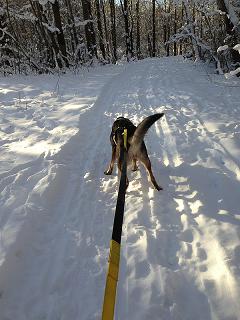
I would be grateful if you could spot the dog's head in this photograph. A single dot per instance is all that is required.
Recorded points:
(120, 123)
(118, 127)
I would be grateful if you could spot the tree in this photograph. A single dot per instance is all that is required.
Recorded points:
(153, 28)
(138, 39)
(125, 12)
(5, 52)
(113, 31)
(89, 28)
(44, 35)
(232, 38)
(59, 32)
(100, 30)
(73, 31)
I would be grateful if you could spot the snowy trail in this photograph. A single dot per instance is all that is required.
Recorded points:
(180, 247)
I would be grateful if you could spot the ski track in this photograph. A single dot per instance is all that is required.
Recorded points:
(178, 260)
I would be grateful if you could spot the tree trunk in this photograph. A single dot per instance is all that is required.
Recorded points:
(126, 25)
(60, 35)
(131, 28)
(153, 28)
(230, 30)
(166, 30)
(191, 27)
(175, 30)
(149, 45)
(73, 27)
(100, 30)
(89, 28)
(5, 52)
(105, 29)
(48, 37)
(138, 41)
(181, 43)
(229, 25)
(113, 31)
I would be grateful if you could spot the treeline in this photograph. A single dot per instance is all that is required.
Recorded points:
(47, 35)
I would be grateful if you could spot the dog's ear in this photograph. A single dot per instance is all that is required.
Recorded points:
(143, 127)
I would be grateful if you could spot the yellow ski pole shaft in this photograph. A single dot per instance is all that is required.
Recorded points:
(115, 244)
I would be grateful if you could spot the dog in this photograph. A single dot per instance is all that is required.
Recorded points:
(136, 148)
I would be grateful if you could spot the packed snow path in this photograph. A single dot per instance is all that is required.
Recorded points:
(180, 247)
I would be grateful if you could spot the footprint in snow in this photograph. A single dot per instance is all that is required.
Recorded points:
(186, 236)
(201, 253)
(7, 129)
(49, 124)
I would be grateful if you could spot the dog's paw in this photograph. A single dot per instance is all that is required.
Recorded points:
(158, 188)
(107, 172)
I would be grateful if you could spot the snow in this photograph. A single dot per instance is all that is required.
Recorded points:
(50, 28)
(232, 73)
(44, 2)
(79, 23)
(237, 48)
(180, 253)
(222, 48)
(232, 12)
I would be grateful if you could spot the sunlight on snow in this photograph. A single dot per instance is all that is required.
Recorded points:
(42, 146)
(219, 271)
(180, 203)
(173, 155)
(194, 206)
(5, 91)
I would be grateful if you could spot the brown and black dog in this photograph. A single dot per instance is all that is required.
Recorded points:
(136, 149)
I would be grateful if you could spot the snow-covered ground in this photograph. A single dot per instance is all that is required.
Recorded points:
(180, 257)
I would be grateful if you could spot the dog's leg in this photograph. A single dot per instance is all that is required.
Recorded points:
(110, 167)
(148, 166)
(134, 165)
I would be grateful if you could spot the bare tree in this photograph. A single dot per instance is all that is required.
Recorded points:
(73, 31)
(232, 29)
(59, 32)
(124, 6)
(113, 31)
(100, 30)
(106, 44)
(89, 28)
(175, 30)
(44, 35)
(138, 40)
(153, 28)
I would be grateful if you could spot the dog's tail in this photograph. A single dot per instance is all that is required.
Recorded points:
(143, 127)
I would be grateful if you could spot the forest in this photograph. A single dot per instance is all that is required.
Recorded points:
(68, 70)
(45, 36)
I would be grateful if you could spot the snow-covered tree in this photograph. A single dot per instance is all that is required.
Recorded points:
(48, 35)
